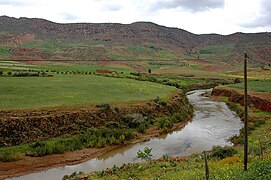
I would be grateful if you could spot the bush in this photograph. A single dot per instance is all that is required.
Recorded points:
(58, 148)
(159, 101)
(164, 123)
(1, 72)
(142, 127)
(145, 154)
(37, 144)
(133, 120)
(223, 152)
(9, 156)
(103, 106)
(40, 151)
(178, 117)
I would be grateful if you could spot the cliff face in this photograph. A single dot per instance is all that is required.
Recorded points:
(17, 33)
(237, 97)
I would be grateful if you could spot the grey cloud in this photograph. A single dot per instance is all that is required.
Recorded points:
(264, 19)
(192, 5)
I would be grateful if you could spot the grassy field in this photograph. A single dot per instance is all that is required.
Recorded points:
(261, 86)
(36, 92)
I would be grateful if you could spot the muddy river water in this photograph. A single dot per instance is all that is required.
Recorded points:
(213, 124)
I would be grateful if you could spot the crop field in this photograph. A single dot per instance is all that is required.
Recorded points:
(35, 92)
(261, 86)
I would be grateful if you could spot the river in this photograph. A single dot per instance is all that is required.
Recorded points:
(213, 124)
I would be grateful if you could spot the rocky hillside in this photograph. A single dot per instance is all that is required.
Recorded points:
(25, 38)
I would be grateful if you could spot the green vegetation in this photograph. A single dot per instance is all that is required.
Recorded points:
(4, 51)
(145, 154)
(9, 156)
(32, 92)
(94, 137)
(224, 162)
(167, 122)
(44, 46)
(112, 133)
(262, 85)
(223, 152)
(217, 52)
(192, 168)
(141, 52)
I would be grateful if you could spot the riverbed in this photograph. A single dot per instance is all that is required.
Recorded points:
(213, 124)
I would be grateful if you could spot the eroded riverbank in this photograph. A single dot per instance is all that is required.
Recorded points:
(213, 124)
(176, 103)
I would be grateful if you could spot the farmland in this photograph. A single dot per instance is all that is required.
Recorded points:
(71, 92)
(36, 92)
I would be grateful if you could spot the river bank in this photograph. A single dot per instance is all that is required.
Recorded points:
(202, 133)
(192, 167)
(35, 164)
(52, 120)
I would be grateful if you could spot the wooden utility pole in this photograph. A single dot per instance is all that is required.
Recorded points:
(245, 113)
(206, 166)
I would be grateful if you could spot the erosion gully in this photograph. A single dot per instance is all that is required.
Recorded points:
(213, 124)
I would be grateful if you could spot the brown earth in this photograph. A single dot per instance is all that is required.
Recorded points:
(24, 126)
(34, 164)
(259, 100)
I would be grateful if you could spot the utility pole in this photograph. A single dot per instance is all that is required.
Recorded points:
(245, 113)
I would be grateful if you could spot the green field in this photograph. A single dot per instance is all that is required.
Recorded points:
(36, 92)
(262, 86)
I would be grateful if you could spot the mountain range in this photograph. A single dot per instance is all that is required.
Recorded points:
(39, 39)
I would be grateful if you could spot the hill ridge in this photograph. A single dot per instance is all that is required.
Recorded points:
(17, 31)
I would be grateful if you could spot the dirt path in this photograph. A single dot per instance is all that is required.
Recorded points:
(29, 165)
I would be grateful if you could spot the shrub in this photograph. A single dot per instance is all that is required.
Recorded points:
(128, 134)
(223, 152)
(112, 124)
(133, 120)
(178, 117)
(145, 154)
(101, 142)
(40, 151)
(164, 123)
(9, 156)
(37, 144)
(159, 101)
(58, 148)
(142, 127)
(103, 106)
(135, 74)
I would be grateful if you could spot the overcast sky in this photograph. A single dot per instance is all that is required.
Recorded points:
(196, 16)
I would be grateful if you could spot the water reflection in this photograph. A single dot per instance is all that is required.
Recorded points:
(213, 124)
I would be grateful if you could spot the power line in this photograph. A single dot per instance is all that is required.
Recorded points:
(91, 60)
